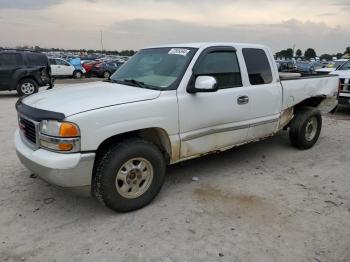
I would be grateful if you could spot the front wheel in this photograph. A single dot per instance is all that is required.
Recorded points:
(27, 87)
(129, 175)
(305, 127)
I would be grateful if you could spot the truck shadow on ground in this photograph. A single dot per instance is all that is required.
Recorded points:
(9, 95)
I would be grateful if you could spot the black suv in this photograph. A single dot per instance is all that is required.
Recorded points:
(24, 71)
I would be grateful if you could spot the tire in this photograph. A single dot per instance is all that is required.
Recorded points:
(117, 169)
(305, 128)
(27, 87)
(77, 74)
(106, 74)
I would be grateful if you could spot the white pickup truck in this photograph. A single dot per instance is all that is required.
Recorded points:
(343, 72)
(166, 104)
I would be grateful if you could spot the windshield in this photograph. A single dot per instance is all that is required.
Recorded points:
(345, 66)
(157, 68)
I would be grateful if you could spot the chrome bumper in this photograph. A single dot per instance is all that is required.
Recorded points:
(63, 170)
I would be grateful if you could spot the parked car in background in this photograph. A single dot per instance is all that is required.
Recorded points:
(332, 66)
(105, 69)
(317, 64)
(305, 67)
(285, 65)
(63, 68)
(343, 72)
(89, 65)
(24, 71)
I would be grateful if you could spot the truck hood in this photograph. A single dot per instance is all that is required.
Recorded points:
(74, 99)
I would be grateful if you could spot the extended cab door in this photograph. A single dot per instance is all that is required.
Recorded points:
(214, 120)
(264, 92)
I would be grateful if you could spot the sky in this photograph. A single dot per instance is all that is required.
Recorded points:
(135, 24)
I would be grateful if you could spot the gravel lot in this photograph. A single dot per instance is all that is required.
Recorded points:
(261, 202)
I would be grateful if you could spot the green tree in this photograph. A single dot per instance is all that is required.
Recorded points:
(327, 57)
(310, 53)
(299, 53)
(339, 55)
(288, 54)
(347, 51)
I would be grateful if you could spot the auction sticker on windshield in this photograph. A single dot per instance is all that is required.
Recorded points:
(178, 51)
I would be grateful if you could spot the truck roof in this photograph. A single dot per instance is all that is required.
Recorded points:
(209, 44)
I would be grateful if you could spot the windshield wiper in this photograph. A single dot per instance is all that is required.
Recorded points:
(135, 82)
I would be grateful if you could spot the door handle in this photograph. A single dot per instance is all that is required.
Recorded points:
(242, 100)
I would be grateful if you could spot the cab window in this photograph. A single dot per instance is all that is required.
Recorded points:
(223, 66)
(258, 66)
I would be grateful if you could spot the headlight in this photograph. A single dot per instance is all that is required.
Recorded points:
(59, 136)
(59, 129)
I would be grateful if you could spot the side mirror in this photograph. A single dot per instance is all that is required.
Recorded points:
(203, 84)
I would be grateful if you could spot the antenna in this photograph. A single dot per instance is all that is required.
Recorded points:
(101, 42)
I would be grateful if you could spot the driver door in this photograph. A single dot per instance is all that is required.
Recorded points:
(214, 120)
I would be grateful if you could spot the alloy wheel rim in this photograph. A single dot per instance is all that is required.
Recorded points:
(311, 129)
(27, 88)
(134, 178)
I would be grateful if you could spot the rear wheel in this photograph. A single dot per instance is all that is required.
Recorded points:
(305, 127)
(27, 87)
(77, 74)
(129, 175)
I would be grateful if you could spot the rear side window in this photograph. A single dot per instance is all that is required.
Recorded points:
(11, 60)
(61, 62)
(258, 66)
(223, 65)
(34, 59)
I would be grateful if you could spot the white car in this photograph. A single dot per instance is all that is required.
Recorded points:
(62, 68)
(165, 105)
(331, 67)
(343, 72)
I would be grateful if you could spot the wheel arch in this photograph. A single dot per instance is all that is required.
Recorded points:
(324, 103)
(311, 102)
(27, 77)
(156, 135)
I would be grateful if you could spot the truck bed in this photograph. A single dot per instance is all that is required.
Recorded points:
(297, 88)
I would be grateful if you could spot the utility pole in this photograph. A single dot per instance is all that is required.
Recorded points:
(101, 42)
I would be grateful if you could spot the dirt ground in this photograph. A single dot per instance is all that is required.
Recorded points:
(261, 202)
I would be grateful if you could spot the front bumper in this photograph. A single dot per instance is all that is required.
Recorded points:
(72, 171)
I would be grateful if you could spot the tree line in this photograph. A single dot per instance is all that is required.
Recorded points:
(309, 53)
(88, 51)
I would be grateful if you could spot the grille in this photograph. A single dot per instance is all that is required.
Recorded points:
(344, 85)
(28, 129)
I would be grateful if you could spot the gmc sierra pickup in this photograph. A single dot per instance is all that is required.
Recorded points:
(166, 104)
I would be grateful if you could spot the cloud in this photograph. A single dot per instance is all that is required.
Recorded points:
(138, 23)
(27, 4)
(139, 32)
